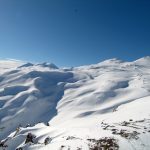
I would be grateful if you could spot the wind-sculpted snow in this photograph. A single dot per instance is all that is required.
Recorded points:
(79, 108)
(31, 97)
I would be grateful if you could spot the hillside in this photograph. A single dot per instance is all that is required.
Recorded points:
(104, 105)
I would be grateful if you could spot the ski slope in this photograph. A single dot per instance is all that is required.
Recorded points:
(82, 108)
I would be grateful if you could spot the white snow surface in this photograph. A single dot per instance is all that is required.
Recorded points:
(81, 103)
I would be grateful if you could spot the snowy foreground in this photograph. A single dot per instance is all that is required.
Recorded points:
(105, 106)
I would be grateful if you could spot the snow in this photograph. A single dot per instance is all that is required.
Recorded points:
(9, 64)
(79, 104)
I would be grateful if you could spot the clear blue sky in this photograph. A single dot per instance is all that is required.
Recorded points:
(74, 32)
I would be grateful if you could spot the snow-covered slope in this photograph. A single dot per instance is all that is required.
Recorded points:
(9, 64)
(83, 108)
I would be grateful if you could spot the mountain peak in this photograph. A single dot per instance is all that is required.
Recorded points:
(111, 61)
(26, 65)
(49, 65)
(143, 61)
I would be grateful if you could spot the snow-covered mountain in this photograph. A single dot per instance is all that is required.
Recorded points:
(104, 106)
